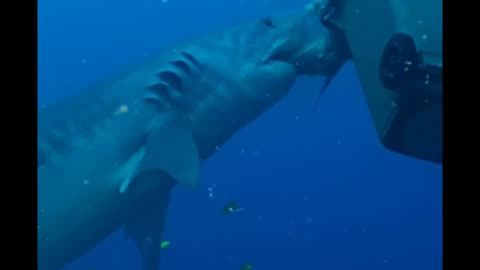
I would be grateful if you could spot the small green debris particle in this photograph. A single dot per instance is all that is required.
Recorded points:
(165, 244)
(246, 266)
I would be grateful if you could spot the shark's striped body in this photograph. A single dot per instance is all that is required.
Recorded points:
(110, 155)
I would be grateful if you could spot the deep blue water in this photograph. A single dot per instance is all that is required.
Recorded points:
(318, 189)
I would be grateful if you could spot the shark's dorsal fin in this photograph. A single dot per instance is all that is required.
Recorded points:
(170, 149)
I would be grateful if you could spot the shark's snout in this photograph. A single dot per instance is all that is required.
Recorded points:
(280, 51)
(306, 44)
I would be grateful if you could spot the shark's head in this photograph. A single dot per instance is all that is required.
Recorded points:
(302, 41)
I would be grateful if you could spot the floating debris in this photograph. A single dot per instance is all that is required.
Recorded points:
(246, 266)
(165, 244)
(308, 220)
(122, 109)
(210, 191)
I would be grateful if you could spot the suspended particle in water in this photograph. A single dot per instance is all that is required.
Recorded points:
(122, 109)
(309, 220)
(210, 191)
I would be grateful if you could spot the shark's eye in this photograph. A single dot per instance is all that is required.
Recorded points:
(267, 21)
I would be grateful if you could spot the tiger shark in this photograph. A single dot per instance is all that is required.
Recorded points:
(109, 156)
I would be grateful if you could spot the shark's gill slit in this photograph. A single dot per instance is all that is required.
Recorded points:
(154, 100)
(191, 58)
(161, 92)
(182, 65)
(172, 79)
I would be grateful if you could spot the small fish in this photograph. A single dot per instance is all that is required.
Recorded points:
(229, 208)
(246, 266)
(165, 244)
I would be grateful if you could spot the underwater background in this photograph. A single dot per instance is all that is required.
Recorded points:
(316, 188)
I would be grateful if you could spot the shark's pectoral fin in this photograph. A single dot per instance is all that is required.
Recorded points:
(169, 155)
(172, 150)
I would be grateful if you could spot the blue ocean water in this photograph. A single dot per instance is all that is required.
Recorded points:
(317, 188)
